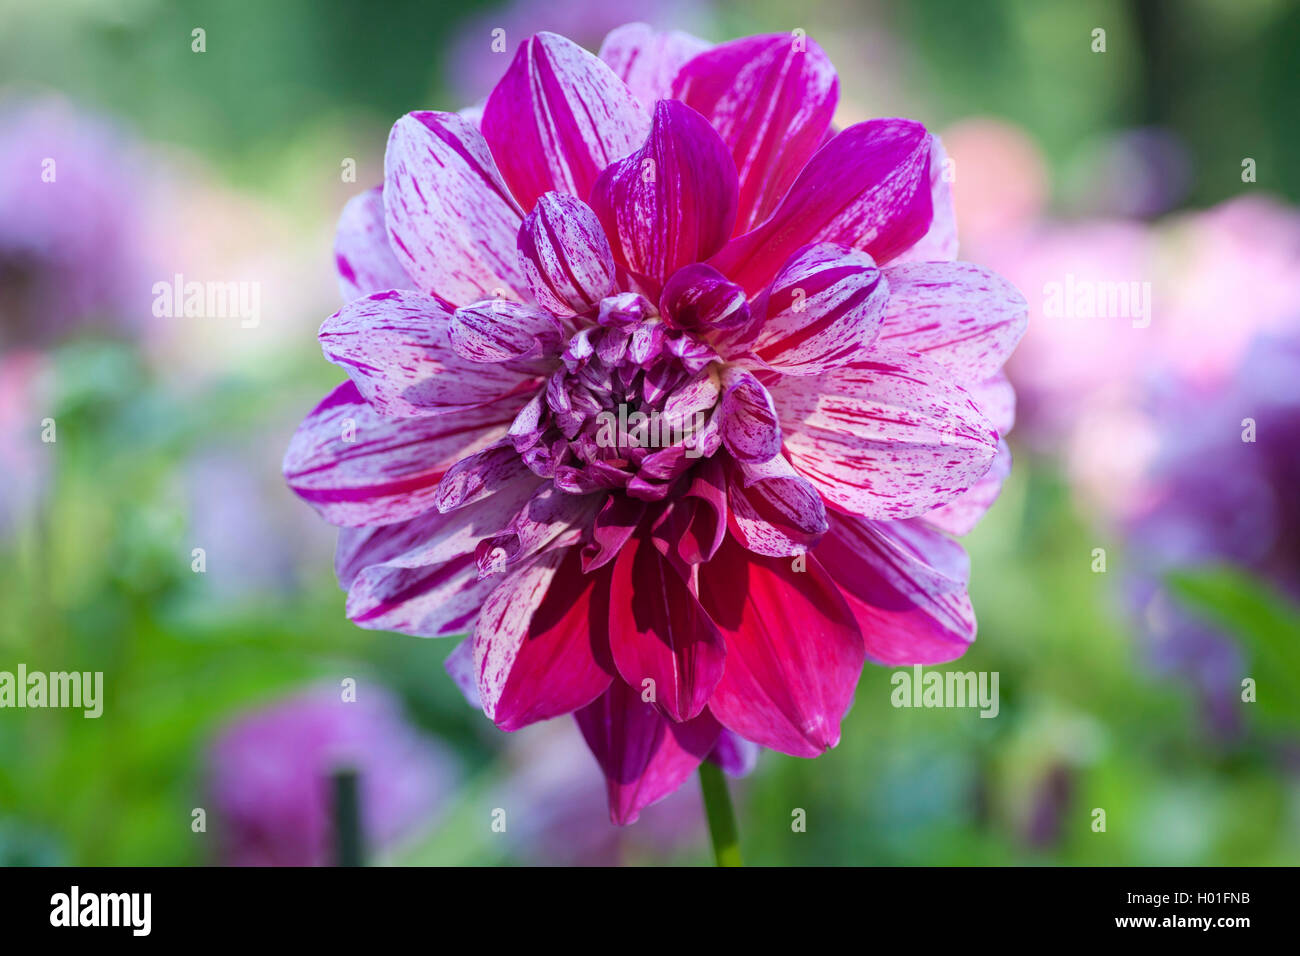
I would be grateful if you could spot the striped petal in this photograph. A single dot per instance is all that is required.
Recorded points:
(451, 221)
(540, 645)
(823, 310)
(890, 438)
(565, 255)
(868, 188)
(397, 348)
(771, 99)
(774, 510)
(673, 201)
(961, 316)
(364, 259)
(557, 118)
(647, 60)
(906, 585)
(357, 467)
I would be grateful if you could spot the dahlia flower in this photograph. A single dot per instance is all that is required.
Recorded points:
(653, 392)
(270, 773)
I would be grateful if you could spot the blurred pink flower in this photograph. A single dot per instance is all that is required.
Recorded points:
(270, 777)
(628, 235)
(69, 249)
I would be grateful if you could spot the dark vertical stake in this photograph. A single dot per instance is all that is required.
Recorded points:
(348, 850)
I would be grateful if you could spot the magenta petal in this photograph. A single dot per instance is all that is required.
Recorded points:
(771, 99)
(643, 755)
(700, 297)
(673, 201)
(357, 467)
(734, 754)
(540, 645)
(451, 221)
(647, 60)
(396, 346)
(939, 244)
(557, 118)
(480, 475)
(867, 188)
(659, 633)
(823, 310)
(890, 438)
(794, 652)
(961, 316)
(774, 510)
(501, 330)
(614, 524)
(750, 428)
(565, 255)
(906, 586)
(362, 254)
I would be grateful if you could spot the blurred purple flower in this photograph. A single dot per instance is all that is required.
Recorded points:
(270, 774)
(68, 240)
(1210, 495)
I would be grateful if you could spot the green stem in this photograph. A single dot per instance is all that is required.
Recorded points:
(348, 848)
(722, 819)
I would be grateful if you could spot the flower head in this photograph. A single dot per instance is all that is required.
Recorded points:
(652, 390)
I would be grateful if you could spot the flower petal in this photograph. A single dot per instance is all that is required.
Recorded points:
(459, 665)
(643, 755)
(906, 586)
(659, 633)
(357, 467)
(362, 254)
(751, 430)
(673, 201)
(540, 645)
(771, 99)
(774, 510)
(939, 244)
(451, 222)
(890, 438)
(429, 538)
(823, 310)
(702, 298)
(648, 60)
(557, 118)
(502, 330)
(734, 754)
(959, 516)
(961, 316)
(396, 346)
(793, 650)
(565, 256)
(867, 188)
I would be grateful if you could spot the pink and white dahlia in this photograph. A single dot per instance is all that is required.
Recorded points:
(652, 393)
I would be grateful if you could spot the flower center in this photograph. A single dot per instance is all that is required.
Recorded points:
(632, 407)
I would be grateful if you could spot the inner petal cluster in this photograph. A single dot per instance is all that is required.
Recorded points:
(632, 406)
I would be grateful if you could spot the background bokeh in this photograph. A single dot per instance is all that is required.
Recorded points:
(1121, 688)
